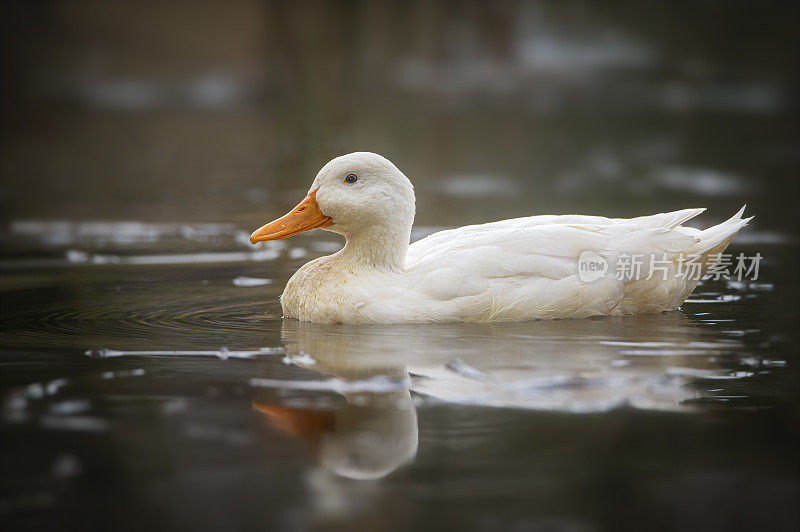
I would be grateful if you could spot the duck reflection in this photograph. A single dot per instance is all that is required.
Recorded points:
(375, 431)
(569, 366)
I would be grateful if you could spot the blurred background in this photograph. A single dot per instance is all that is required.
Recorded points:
(148, 380)
(205, 111)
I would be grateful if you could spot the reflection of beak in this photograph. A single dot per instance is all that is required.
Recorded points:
(305, 217)
(306, 424)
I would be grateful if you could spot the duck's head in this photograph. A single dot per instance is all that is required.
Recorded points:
(360, 194)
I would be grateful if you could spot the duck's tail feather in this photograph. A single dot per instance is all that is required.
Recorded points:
(714, 240)
(707, 251)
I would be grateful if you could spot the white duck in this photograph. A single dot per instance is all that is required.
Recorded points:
(517, 269)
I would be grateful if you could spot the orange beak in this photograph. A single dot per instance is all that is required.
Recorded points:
(305, 217)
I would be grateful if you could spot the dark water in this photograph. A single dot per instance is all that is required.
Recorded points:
(148, 380)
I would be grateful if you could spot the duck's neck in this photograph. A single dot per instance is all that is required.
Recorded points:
(377, 248)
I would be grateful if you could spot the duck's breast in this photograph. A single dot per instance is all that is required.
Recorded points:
(328, 291)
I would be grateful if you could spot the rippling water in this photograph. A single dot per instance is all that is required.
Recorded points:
(169, 390)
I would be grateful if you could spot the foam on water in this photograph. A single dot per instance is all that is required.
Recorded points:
(373, 385)
(708, 374)
(303, 359)
(221, 354)
(251, 281)
(720, 299)
(138, 372)
(62, 233)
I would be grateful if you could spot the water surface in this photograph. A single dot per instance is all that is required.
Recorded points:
(175, 392)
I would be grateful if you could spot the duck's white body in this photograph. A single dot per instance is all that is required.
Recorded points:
(518, 269)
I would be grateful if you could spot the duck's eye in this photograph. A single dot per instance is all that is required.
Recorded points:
(351, 178)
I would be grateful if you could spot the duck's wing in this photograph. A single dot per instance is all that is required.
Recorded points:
(528, 267)
(468, 236)
(445, 239)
